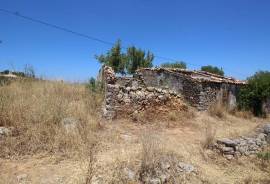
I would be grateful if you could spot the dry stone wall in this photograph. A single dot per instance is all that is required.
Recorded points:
(158, 86)
(199, 93)
(129, 95)
(189, 88)
(245, 145)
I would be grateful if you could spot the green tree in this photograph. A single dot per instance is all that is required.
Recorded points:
(176, 64)
(128, 62)
(114, 58)
(213, 69)
(255, 92)
(137, 58)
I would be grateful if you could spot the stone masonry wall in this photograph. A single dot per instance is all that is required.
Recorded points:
(199, 94)
(157, 86)
(190, 89)
(129, 95)
(208, 95)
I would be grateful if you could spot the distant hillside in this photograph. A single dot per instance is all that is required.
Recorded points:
(28, 72)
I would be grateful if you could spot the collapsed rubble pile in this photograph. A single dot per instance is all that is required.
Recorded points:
(167, 169)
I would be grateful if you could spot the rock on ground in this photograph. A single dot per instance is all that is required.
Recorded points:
(4, 131)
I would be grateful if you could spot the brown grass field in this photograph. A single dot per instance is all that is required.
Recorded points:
(42, 150)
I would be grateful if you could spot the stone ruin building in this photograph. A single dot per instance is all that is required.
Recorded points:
(156, 86)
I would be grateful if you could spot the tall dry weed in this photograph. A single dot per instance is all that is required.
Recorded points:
(35, 110)
(150, 154)
(217, 110)
(208, 137)
(152, 163)
(154, 158)
(242, 114)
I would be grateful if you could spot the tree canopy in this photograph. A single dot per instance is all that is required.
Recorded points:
(137, 58)
(257, 90)
(176, 64)
(213, 69)
(114, 58)
(126, 62)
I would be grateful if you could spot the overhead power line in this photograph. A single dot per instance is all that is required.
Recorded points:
(55, 26)
(17, 14)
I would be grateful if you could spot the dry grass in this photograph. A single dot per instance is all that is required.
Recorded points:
(217, 110)
(209, 137)
(153, 157)
(242, 114)
(35, 110)
(220, 110)
(150, 154)
(172, 116)
(150, 162)
(91, 167)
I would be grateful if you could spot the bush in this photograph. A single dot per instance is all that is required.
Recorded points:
(213, 69)
(93, 85)
(252, 96)
(264, 156)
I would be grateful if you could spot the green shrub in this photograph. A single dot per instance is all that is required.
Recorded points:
(93, 85)
(264, 156)
(257, 90)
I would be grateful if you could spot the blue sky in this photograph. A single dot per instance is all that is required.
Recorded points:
(233, 34)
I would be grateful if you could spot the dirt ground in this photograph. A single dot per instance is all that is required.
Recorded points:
(120, 141)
